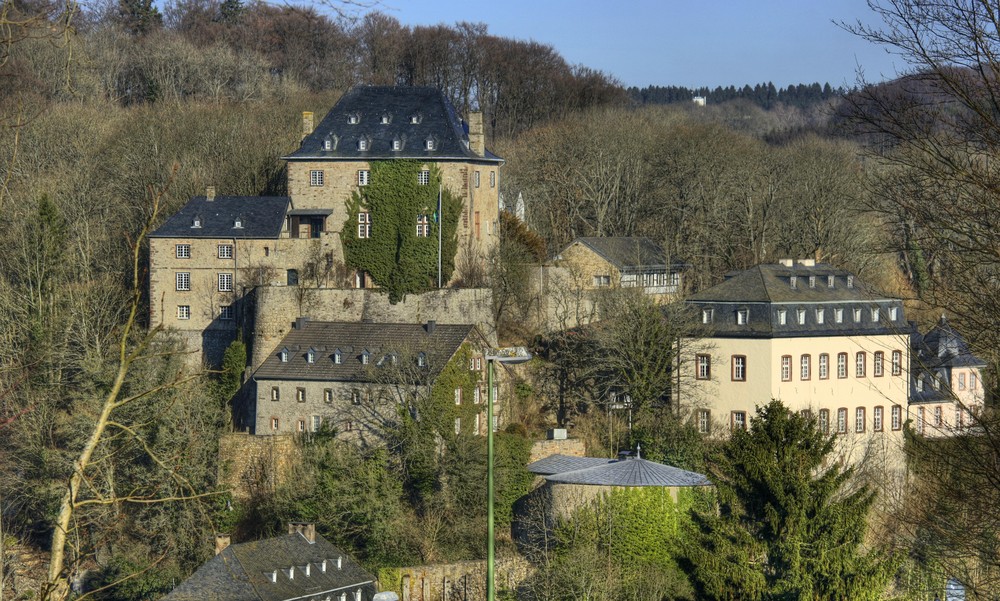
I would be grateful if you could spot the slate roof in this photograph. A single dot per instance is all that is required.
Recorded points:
(943, 346)
(631, 471)
(558, 463)
(628, 253)
(261, 216)
(766, 290)
(352, 339)
(436, 119)
(243, 572)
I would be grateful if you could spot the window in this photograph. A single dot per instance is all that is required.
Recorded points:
(812, 281)
(801, 316)
(838, 315)
(226, 313)
(317, 421)
(292, 277)
(850, 281)
(475, 179)
(897, 363)
(782, 317)
(878, 363)
(804, 366)
(458, 425)
(739, 368)
(225, 282)
(238, 223)
(429, 144)
(423, 226)
(300, 395)
(183, 280)
(363, 144)
(477, 395)
(338, 357)
(355, 397)
(859, 419)
(739, 420)
(496, 394)
(316, 177)
(704, 421)
(824, 366)
(196, 222)
(225, 251)
(875, 315)
(365, 358)
(301, 425)
(476, 364)
(742, 317)
(327, 395)
(703, 367)
(786, 368)
(602, 281)
(938, 418)
(893, 313)
(364, 176)
(458, 396)
(493, 179)
(820, 315)
(841, 365)
(283, 355)
(183, 311)
(830, 281)
(386, 119)
(841, 421)
(364, 224)
(328, 144)
(353, 119)
(824, 421)
(414, 119)
(897, 417)
(275, 393)
(183, 251)
(973, 381)
(857, 316)
(859, 364)
(422, 360)
(920, 420)
(961, 381)
(959, 422)
(311, 356)
(792, 282)
(274, 426)
(706, 315)
(476, 425)
(877, 419)
(424, 177)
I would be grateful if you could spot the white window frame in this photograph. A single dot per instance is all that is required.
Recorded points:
(704, 421)
(458, 396)
(703, 366)
(184, 312)
(364, 177)
(316, 178)
(225, 281)
(182, 281)
(182, 251)
(823, 421)
(739, 420)
(896, 413)
(424, 177)
(475, 179)
(859, 420)
(838, 315)
(801, 313)
(841, 366)
(707, 315)
(877, 424)
(782, 317)
(805, 367)
(225, 251)
(493, 179)
(824, 366)
(742, 317)
(897, 363)
(423, 226)
(820, 316)
(739, 368)
(226, 313)
(842, 420)
(364, 225)
(786, 368)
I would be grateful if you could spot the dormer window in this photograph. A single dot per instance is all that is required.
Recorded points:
(338, 357)
(875, 314)
(820, 315)
(791, 281)
(363, 144)
(415, 119)
(812, 281)
(397, 144)
(742, 317)
(238, 223)
(857, 316)
(365, 358)
(422, 360)
(801, 315)
(330, 143)
(782, 317)
(706, 316)
(311, 356)
(322, 566)
(830, 281)
(893, 313)
(196, 222)
(850, 281)
(274, 576)
(283, 355)
(386, 119)
(429, 144)
(353, 119)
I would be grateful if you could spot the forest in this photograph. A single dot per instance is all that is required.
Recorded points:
(112, 115)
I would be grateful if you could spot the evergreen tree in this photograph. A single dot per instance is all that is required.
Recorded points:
(785, 528)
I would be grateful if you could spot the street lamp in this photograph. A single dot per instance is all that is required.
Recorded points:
(510, 356)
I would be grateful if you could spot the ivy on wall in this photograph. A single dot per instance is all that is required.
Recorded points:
(394, 256)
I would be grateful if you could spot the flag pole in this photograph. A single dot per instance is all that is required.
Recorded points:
(440, 222)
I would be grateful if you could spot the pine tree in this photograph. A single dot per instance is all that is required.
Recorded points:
(785, 528)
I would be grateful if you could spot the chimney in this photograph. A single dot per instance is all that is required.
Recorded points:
(785, 262)
(477, 140)
(807, 262)
(221, 542)
(307, 123)
(431, 324)
(210, 193)
(300, 323)
(306, 529)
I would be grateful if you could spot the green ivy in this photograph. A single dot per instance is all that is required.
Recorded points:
(397, 259)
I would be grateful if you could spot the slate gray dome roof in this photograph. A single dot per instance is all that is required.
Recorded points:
(558, 463)
(631, 472)
(380, 115)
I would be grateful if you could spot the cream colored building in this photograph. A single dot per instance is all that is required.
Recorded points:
(810, 335)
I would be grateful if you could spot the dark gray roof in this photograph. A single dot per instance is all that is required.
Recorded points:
(243, 572)
(261, 216)
(435, 115)
(765, 291)
(353, 339)
(943, 346)
(631, 472)
(557, 464)
(628, 253)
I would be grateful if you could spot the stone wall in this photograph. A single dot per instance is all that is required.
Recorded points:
(251, 463)
(569, 446)
(276, 309)
(460, 581)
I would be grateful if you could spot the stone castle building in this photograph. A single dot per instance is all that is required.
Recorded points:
(206, 259)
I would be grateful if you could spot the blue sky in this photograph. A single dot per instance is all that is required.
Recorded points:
(671, 42)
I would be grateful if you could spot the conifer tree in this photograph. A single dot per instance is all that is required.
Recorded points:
(786, 527)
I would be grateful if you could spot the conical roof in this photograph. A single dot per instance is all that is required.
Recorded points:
(631, 472)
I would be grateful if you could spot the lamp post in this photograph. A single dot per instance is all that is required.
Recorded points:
(510, 356)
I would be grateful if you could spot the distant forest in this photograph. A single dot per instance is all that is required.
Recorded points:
(764, 95)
